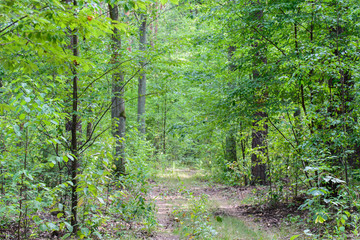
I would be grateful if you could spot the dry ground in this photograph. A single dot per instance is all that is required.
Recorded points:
(225, 201)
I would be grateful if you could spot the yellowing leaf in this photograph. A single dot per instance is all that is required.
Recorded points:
(80, 202)
(319, 219)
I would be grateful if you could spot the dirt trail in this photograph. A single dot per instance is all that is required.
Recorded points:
(166, 194)
(164, 209)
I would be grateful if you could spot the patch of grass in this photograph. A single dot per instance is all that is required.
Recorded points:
(249, 200)
(179, 177)
(258, 195)
(230, 228)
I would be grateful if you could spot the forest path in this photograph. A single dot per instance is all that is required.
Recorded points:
(170, 190)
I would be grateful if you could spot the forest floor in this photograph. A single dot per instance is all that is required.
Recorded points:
(231, 211)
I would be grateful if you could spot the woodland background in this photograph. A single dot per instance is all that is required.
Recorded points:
(98, 96)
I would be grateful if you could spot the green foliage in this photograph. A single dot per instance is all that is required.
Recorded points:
(194, 222)
(280, 77)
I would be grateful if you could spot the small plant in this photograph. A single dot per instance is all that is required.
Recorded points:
(195, 221)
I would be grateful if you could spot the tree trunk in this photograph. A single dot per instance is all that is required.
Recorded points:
(258, 144)
(346, 97)
(118, 116)
(259, 133)
(142, 77)
(164, 125)
(230, 147)
(230, 141)
(74, 129)
(2, 143)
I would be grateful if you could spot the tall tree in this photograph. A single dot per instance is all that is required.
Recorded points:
(230, 141)
(142, 75)
(260, 128)
(118, 116)
(74, 129)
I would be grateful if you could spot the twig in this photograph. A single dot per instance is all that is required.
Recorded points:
(98, 78)
(302, 161)
(110, 105)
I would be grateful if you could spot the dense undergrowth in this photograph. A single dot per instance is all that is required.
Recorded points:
(35, 206)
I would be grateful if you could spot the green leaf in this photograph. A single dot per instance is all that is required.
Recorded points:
(52, 226)
(98, 234)
(318, 191)
(36, 219)
(70, 157)
(66, 236)
(101, 200)
(17, 130)
(93, 190)
(54, 122)
(307, 169)
(4, 107)
(295, 237)
(68, 227)
(219, 219)
(174, 1)
(42, 227)
(22, 116)
(85, 231)
(332, 179)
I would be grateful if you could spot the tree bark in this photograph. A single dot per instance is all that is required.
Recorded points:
(142, 76)
(258, 144)
(259, 133)
(230, 141)
(74, 129)
(118, 116)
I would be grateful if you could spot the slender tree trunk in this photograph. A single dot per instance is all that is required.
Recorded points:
(2, 143)
(88, 130)
(142, 76)
(74, 129)
(230, 141)
(164, 125)
(243, 154)
(311, 124)
(346, 96)
(297, 115)
(230, 147)
(2, 150)
(151, 29)
(118, 116)
(302, 96)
